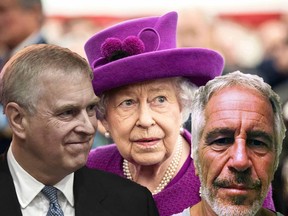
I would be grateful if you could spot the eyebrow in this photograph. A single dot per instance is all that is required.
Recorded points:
(94, 101)
(217, 131)
(160, 88)
(258, 133)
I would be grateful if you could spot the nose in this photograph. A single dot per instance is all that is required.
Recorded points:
(86, 124)
(239, 156)
(145, 118)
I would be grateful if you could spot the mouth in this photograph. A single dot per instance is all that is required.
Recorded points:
(147, 142)
(78, 146)
(238, 189)
(79, 142)
(238, 183)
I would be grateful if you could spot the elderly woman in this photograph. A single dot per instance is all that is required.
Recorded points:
(146, 85)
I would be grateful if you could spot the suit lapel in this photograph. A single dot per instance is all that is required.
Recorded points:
(9, 204)
(88, 194)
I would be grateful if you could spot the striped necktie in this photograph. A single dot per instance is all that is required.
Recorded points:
(54, 208)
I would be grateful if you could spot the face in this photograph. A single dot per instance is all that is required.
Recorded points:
(280, 55)
(236, 151)
(144, 121)
(60, 134)
(16, 24)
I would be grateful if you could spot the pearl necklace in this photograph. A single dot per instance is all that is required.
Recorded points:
(169, 173)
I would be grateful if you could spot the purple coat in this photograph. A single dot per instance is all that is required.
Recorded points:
(180, 193)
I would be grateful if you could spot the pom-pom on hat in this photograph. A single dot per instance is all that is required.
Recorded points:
(145, 49)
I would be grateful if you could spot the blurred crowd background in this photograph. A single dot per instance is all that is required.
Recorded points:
(252, 38)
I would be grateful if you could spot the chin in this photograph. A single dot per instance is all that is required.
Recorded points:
(77, 163)
(148, 159)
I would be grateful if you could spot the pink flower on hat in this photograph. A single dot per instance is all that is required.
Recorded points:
(113, 48)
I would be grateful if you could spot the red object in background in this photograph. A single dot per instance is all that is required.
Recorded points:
(101, 21)
(251, 19)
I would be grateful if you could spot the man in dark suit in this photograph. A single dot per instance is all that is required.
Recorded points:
(47, 95)
(20, 25)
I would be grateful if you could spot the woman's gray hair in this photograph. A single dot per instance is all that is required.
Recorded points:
(185, 93)
(236, 78)
(20, 76)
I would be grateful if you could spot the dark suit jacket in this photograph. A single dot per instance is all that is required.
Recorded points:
(96, 193)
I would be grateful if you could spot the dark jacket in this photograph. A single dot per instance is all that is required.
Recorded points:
(96, 193)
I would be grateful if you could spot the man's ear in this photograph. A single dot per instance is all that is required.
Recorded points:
(16, 117)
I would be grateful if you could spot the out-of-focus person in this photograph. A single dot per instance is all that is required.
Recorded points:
(194, 28)
(146, 85)
(20, 25)
(274, 67)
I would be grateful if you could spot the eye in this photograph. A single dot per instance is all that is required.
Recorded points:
(159, 100)
(127, 103)
(67, 113)
(224, 141)
(258, 146)
(91, 109)
(221, 144)
(256, 143)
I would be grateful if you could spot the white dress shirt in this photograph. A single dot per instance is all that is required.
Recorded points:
(28, 191)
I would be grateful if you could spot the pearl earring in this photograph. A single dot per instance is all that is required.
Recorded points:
(107, 134)
(181, 130)
(200, 194)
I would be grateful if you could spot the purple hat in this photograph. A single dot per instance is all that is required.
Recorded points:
(145, 49)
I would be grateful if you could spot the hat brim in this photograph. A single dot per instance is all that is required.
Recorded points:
(199, 65)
